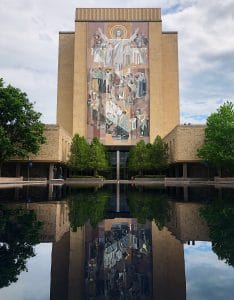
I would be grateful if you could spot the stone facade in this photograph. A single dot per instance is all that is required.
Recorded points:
(186, 223)
(163, 70)
(183, 142)
(57, 146)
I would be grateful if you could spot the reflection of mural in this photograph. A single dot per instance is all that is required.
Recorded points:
(118, 260)
(118, 103)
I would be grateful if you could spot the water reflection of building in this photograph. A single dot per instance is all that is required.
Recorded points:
(118, 260)
(186, 223)
(120, 255)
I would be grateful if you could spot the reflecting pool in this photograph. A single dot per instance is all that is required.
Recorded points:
(116, 242)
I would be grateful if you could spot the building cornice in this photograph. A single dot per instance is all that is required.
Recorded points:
(118, 14)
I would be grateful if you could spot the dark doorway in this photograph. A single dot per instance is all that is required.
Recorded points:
(118, 161)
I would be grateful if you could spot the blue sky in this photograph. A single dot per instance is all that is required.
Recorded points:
(34, 284)
(207, 277)
(29, 49)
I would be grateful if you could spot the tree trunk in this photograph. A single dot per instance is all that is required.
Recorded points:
(95, 173)
(0, 169)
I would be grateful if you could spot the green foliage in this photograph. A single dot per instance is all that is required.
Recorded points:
(148, 157)
(21, 131)
(150, 206)
(220, 218)
(85, 206)
(159, 154)
(19, 232)
(98, 156)
(88, 157)
(218, 148)
(80, 154)
(138, 160)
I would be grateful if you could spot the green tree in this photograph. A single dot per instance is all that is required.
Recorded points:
(149, 205)
(159, 154)
(87, 206)
(98, 160)
(219, 216)
(138, 160)
(218, 148)
(21, 131)
(80, 154)
(19, 232)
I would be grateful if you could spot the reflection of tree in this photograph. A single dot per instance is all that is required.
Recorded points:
(220, 218)
(85, 206)
(150, 206)
(19, 232)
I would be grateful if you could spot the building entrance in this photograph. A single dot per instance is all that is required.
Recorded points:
(118, 161)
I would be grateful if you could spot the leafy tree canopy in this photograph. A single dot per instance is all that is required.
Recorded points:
(150, 206)
(148, 157)
(159, 154)
(218, 148)
(139, 159)
(80, 154)
(85, 156)
(85, 206)
(21, 131)
(98, 156)
(219, 216)
(19, 232)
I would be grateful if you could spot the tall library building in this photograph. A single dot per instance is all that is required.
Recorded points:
(118, 81)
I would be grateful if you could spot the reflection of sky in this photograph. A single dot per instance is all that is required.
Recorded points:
(34, 284)
(207, 277)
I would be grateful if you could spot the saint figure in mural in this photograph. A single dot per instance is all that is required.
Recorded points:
(118, 45)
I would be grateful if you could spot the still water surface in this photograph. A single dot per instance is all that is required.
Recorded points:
(116, 242)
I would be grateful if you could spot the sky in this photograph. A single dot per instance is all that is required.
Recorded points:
(35, 282)
(207, 277)
(29, 49)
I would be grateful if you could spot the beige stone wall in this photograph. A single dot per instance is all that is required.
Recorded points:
(54, 216)
(183, 142)
(170, 83)
(168, 265)
(80, 81)
(155, 72)
(186, 223)
(57, 146)
(164, 81)
(65, 81)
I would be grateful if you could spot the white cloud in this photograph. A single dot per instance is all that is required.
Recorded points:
(206, 276)
(29, 48)
(34, 284)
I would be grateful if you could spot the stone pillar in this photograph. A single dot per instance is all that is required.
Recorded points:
(177, 173)
(51, 171)
(77, 265)
(185, 170)
(185, 193)
(17, 170)
(117, 164)
(117, 198)
(50, 192)
(168, 265)
(60, 268)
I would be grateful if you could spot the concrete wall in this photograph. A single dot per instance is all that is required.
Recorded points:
(65, 80)
(183, 142)
(57, 146)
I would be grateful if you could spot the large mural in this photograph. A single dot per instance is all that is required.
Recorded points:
(118, 86)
